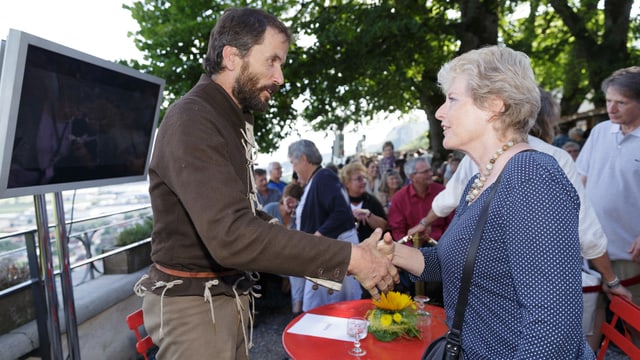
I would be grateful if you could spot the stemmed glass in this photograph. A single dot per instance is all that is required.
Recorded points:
(357, 329)
(421, 300)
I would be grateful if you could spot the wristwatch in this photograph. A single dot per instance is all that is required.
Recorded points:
(613, 284)
(423, 222)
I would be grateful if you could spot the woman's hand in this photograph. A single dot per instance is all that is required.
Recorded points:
(386, 246)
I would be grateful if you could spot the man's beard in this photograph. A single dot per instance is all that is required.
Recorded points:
(247, 90)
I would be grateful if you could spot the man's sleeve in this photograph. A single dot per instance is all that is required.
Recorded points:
(448, 199)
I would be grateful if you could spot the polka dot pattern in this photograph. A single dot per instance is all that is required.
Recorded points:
(525, 300)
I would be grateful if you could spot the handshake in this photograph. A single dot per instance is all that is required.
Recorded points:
(371, 263)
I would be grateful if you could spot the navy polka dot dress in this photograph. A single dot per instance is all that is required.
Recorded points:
(525, 300)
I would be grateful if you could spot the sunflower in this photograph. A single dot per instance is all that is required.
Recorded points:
(393, 301)
(394, 316)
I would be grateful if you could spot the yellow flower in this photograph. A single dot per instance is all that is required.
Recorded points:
(385, 320)
(393, 301)
(397, 317)
(394, 316)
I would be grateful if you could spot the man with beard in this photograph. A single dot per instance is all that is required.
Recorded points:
(208, 237)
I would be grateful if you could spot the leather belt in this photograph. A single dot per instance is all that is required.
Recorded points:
(193, 274)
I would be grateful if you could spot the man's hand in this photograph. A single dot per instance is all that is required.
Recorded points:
(618, 290)
(419, 229)
(371, 268)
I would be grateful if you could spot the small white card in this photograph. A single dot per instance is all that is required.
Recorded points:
(329, 327)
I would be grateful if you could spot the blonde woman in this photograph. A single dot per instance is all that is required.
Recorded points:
(525, 297)
(389, 186)
(368, 213)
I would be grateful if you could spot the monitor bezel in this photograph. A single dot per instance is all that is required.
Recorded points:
(11, 82)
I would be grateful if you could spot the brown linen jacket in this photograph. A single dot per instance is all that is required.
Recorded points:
(200, 185)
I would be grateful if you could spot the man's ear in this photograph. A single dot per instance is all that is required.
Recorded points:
(230, 57)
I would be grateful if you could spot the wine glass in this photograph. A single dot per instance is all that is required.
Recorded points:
(421, 300)
(357, 329)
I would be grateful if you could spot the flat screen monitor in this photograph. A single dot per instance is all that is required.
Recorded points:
(69, 120)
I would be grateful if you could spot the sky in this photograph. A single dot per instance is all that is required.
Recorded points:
(100, 27)
(97, 27)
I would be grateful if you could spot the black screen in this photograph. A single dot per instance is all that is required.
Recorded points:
(78, 121)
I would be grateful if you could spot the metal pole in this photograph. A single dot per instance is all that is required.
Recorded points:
(46, 262)
(39, 301)
(73, 342)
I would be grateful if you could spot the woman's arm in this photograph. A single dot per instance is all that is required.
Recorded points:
(402, 256)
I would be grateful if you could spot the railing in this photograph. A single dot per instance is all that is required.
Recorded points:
(86, 240)
(87, 237)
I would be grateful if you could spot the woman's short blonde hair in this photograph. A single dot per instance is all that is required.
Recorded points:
(498, 72)
(350, 169)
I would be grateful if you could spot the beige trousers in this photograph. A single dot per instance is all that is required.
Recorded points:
(188, 328)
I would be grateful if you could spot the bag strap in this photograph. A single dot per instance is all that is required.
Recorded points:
(465, 283)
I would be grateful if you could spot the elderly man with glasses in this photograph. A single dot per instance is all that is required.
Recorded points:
(413, 202)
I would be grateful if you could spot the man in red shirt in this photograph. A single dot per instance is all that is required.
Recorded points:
(413, 202)
(408, 207)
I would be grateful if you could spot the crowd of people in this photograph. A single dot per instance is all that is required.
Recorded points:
(387, 221)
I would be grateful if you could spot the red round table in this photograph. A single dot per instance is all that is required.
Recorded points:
(306, 347)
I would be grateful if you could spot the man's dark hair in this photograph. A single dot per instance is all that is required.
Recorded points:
(293, 190)
(241, 28)
(259, 172)
(548, 117)
(626, 81)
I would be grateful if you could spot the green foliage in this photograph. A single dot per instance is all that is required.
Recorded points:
(173, 37)
(353, 59)
(365, 58)
(135, 233)
(13, 273)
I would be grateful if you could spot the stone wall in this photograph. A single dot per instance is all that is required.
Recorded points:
(101, 307)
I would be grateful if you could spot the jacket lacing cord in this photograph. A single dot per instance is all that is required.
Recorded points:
(209, 298)
(140, 290)
(249, 143)
(253, 294)
(167, 286)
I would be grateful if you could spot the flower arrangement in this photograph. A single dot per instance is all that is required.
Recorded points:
(394, 316)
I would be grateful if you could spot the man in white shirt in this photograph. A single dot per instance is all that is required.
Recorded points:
(610, 167)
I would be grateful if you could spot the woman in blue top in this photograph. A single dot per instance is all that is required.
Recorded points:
(525, 300)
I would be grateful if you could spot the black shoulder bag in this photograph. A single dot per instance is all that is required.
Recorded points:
(449, 346)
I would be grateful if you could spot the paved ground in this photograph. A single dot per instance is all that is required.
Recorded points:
(273, 315)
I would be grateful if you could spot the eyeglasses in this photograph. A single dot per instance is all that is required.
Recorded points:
(359, 179)
(426, 171)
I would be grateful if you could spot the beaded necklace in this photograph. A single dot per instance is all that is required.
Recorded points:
(479, 182)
